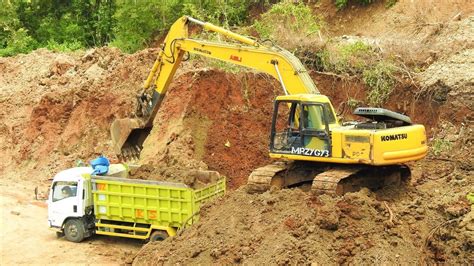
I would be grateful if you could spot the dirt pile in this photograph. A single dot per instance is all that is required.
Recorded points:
(390, 226)
(57, 108)
(451, 81)
(213, 120)
(61, 112)
(419, 32)
(191, 177)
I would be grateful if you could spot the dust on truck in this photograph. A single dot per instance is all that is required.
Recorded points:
(81, 204)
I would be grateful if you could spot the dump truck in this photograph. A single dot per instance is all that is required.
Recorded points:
(82, 204)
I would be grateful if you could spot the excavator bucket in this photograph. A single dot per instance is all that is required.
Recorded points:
(128, 135)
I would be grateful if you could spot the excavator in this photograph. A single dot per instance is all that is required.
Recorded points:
(306, 136)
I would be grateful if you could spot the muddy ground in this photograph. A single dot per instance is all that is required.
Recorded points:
(56, 109)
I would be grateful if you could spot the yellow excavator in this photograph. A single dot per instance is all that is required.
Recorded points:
(306, 134)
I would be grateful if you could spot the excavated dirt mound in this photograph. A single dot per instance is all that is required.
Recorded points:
(427, 220)
(214, 120)
(393, 226)
(57, 108)
(192, 178)
(61, 112)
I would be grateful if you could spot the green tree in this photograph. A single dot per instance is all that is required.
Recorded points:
(138, 22)
(9, 22)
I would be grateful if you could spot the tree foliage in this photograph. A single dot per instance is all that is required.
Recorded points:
(130, 25)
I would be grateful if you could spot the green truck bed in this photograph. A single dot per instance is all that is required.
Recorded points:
(135, 208)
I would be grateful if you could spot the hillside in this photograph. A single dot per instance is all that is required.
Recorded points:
(56, 108)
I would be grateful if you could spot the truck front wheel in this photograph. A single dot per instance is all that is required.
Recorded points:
(158, 236)
(74, 230)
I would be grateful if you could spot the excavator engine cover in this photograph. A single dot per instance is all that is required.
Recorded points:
(381, 115)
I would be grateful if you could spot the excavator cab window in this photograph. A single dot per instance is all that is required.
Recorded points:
(315, 132)
(313, 118)
(300, 128)
(286, 129)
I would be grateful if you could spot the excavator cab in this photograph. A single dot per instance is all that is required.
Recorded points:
(300, 126)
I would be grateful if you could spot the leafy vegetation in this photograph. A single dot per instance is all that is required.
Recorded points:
(340, 4)
(390, 3)
(353, 103)
(128, 25)
(18, 42)
(380, 80)
(441, 145)
(287, 16)
(288, 23)
(363, 60)
(63, 25)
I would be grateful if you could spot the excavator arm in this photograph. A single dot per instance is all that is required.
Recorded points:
(128, 135)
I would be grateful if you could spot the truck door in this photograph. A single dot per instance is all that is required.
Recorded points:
(65, 200)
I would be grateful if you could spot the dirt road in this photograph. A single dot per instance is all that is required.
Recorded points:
(26, 239)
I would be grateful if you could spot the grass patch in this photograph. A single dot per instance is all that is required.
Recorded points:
(19, 42)
(353, 103)
(390, 3)
(289, 23)
(360, 59)
(440, 146)
(64, 47)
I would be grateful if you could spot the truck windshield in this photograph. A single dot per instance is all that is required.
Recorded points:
(63, 190)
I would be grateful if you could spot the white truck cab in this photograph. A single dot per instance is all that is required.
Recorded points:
(70, 204)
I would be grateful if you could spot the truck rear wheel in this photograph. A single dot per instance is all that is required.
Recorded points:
(158, 236)
(74, 230)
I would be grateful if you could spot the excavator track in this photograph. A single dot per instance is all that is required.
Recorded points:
(329, 182)
(260, 180)
(332, 179)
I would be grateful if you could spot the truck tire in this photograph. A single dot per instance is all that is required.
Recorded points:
(74, 230)
(158, 236)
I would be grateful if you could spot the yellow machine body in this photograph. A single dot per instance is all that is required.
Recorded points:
(347, 144)
(305, 127)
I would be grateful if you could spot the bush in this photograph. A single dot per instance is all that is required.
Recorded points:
(352, 58)
(340, 4)
(129, 25)
(288, 23)
(9, 23)
(136, 23)
(360, 59)
(19, 42)
(380, 80)
(227, 13)
(440, 145)
(64, 47)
